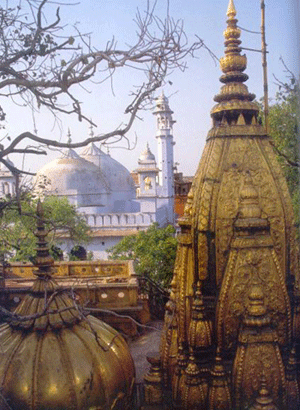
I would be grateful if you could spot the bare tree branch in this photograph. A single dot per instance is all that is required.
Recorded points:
(39, 63)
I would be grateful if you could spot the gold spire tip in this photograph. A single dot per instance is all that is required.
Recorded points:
(231, 11)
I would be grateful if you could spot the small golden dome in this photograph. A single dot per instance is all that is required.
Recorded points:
(52, 357)
(83, 366)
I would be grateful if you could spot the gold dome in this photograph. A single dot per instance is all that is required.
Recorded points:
(52, 357)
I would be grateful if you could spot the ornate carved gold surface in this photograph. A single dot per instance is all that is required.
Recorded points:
(178, 379)
(169, 341)
(252, 261)
(194, 389)
(264, 401)
(219, 393)
(258, 355)
(237, 235)
(217, 199)
(200, 331)
(292, 387)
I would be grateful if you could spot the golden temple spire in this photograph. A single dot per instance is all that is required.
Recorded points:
(235, 106)
(238, 239)
(55, 310)
(43, 260)
(231, 9)
(233, 61)
(258, 349)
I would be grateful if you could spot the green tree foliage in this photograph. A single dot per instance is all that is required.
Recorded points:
(284, 128)
(153, 252)
(18, 224)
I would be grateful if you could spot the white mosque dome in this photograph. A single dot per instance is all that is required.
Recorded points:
(146, 156)
(76, 178)
(118, 176)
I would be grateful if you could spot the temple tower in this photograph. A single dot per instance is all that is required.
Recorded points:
(237, 234)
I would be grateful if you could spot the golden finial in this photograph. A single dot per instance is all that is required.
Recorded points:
(233, 60)
(231, 11)
(234, 99)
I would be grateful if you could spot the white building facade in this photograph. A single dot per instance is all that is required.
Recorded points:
(104, 191)
(7, 180)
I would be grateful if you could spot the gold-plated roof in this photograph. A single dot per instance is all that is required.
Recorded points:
(52, 357)
(239, 241)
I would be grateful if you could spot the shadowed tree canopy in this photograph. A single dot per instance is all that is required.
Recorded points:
(43, 66)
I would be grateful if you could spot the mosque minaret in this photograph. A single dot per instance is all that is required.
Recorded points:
(164, 135)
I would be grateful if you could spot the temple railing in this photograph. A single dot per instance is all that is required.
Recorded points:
(156, 295)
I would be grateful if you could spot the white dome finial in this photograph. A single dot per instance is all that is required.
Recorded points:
(91, 131)
(69, 136)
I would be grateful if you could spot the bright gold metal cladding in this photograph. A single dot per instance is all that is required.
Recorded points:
(236, 261)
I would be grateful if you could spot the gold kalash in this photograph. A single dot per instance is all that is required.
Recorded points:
(232, 323)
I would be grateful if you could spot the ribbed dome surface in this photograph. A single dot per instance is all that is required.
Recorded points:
(62, 360)
(72, 176)
(116, 174)
(146, 156)
(53, 358)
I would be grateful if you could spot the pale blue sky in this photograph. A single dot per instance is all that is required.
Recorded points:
(191, 95)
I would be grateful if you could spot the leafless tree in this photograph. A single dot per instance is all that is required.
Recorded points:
(41, 65)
